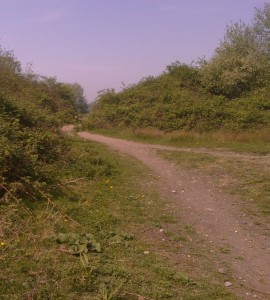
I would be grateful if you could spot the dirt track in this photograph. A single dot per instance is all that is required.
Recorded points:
(213, 213)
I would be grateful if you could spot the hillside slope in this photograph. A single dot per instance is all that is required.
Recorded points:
(229, 91)
(166, 103)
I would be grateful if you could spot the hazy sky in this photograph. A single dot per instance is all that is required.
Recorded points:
(101, 43)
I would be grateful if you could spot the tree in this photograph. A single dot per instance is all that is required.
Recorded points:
(241, 62)
(10, 70)
(186, 74)
(78, 96)
(262, 27)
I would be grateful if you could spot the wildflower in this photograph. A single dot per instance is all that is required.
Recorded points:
(2, 243)
(111, 187)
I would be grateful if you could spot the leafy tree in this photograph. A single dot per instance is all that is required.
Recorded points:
(10, 68)
(242, 61)
(237, 65)
(262, 27)
(78, 97)
(186, 74)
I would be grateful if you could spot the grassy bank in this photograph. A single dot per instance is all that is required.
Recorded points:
(85, 238)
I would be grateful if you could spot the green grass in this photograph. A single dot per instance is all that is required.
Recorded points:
(103, 195)
(253, 184)
(254, 142)
(224, 250)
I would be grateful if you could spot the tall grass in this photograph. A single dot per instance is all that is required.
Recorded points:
(221, 135)
(257, 141)
(258, 136)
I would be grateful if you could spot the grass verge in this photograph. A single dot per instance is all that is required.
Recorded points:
(84, 239)
(255, 142)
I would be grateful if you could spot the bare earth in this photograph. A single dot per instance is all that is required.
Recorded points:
(215, 214)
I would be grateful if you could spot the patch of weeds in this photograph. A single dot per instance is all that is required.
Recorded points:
(108, 292)
(79, 245)
(169, 219)
(184, 279)
(252, 182)
(239, 258)
(224, 250)
(189, 229)
(120, 238)
(169, 234)
(179, 238)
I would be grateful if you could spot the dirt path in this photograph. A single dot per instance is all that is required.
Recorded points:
(214, 214)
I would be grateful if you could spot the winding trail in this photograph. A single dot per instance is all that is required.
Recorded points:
(213, 213)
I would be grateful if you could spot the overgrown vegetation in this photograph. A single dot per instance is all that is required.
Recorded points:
(32, 109)
(72, 214)
(229, 92)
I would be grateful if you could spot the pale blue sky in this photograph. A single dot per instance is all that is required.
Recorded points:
(101, 43)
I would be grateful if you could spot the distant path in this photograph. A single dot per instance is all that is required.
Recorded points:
(213, 213)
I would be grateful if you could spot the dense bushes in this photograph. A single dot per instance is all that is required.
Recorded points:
(165, 103)
(230, 91)
(32, 109)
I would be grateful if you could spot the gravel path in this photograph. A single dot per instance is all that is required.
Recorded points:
(214, 214)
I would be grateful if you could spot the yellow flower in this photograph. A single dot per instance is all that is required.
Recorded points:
(111, 187)
(2, 244)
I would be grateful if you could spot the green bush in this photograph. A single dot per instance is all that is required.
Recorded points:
(166, 104)
(32, 110)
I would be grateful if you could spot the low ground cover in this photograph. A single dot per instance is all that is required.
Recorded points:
(84, 239)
